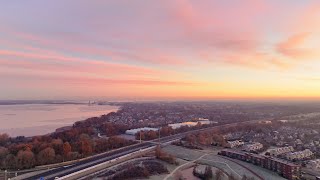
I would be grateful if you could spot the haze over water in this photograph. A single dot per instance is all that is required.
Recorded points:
(38, 119)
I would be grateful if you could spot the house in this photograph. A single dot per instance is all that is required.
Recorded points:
(235, 143)
(314, 164)
(281, 150)
(253, 147)
(299, 155)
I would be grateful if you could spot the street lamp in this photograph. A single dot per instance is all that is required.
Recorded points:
(159, 136)
(5, 174)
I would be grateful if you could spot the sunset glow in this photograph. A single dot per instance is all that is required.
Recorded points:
(167, 49)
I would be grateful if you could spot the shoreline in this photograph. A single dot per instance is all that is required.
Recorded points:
(47, 125)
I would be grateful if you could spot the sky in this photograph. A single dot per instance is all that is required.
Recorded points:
(168, 49)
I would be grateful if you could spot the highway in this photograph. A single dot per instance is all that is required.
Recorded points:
(65, 170)
(98, 159)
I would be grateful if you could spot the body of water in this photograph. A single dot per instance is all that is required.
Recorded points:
(39, 119)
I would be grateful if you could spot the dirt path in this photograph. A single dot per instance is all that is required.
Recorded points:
(226, 165)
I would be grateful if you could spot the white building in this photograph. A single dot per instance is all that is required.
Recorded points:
(299, 155)
(281, 150)
(265, 122)
(283, 121)
(253, 146)
(135, 131)
(190, 124)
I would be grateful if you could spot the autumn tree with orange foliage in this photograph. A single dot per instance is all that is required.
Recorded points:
(66, 150)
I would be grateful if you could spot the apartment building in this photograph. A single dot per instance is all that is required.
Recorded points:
(284, 168)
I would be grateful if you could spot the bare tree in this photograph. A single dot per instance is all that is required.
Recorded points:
(231, 177)
(218, 174)
(208, 173)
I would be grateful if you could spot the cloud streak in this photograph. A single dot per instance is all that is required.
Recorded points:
(78, 62)
(96, 81)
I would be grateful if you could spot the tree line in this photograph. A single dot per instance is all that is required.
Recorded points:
(78, 142)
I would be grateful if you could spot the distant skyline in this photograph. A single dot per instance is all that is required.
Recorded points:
(168, 49)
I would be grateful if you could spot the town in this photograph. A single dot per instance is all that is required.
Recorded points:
(283, 139)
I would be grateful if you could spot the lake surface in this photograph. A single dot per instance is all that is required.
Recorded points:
(38, 119)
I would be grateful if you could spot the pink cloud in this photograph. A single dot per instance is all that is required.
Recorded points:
(293, 47)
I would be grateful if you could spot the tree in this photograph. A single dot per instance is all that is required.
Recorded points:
(149, 135)
(207, 173)
(164, 156)
(74, 155)
(166, 131)
(117, 142)
(201, 139)
(4, 138)
(86, 148)
(3, 153)
(158, 152)
(219, 139)
(66, 149)
(46, 156)
(109, 129)
(25, 159)
(141, 135)
(231, 177)
(57, 145)
(102, 145)
(244, 177)
(10, 162)
(190, 139)
(85, 145)
(218, 174)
